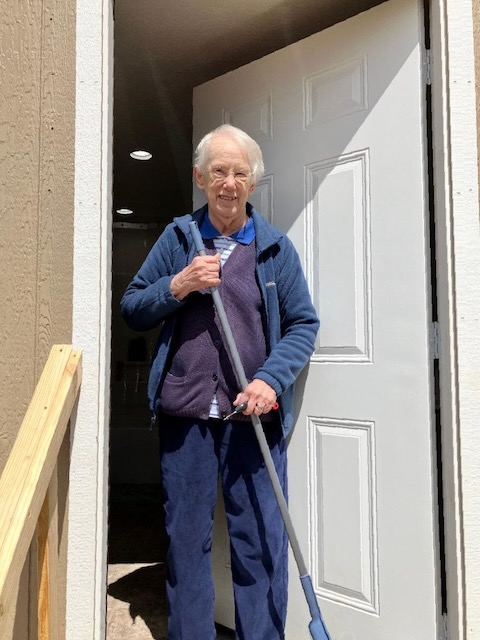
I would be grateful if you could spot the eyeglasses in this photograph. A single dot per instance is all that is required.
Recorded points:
(221, 175)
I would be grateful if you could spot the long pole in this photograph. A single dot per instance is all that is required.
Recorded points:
(317, 627)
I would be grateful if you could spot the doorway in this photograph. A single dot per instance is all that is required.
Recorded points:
(156, 190)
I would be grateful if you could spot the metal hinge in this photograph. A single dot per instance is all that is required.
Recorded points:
(435, 340)
(428, 65)
(444, 635)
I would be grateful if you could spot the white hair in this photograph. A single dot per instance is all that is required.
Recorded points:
(251, 148)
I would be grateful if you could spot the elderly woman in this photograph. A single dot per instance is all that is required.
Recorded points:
(192, 388)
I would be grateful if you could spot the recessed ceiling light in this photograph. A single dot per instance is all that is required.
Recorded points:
(139, 154)
(124, 212)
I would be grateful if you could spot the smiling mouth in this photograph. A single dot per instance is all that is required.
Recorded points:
(228, 198)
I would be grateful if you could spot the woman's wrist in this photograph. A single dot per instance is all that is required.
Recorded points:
(177, 288)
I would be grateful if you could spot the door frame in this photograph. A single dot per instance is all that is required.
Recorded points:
(455, 174)
(458, 273)
(92, 267)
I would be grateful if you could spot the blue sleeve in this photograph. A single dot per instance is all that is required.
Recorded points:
(298, 323)
(148, 299)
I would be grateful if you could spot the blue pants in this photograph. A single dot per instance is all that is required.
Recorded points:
(193, 453)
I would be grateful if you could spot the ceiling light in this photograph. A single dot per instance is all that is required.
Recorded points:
(140, 155)
(124, 212)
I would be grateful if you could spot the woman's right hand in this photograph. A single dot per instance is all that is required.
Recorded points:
(203, 272)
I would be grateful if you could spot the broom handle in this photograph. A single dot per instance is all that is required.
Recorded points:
(262, 441)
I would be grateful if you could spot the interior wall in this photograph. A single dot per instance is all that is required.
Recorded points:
(157, 190)
(37, 69)
(133, 445)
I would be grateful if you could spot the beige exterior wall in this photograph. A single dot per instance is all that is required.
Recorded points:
(37, 80)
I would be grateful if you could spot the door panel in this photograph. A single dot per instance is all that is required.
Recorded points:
(340, 119)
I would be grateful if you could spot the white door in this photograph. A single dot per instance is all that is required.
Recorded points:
(340, 119)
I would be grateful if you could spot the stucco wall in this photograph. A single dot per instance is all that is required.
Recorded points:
(37, 68)
(463, 225)
(476, 35)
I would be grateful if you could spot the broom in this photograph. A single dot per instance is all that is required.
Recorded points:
(317, 627)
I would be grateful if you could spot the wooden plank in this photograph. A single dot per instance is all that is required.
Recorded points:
(27, 474)
(47, 557)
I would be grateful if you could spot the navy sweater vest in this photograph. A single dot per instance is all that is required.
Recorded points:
(200, 366)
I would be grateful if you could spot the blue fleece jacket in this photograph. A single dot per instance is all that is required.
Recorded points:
(289, 318)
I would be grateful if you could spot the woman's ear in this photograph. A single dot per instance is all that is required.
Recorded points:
(198, 178)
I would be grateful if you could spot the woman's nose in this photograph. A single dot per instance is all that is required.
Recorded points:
(230, 181)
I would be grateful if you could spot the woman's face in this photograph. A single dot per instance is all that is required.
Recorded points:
(227, 183)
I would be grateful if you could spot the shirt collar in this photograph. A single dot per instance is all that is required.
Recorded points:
(244, 235)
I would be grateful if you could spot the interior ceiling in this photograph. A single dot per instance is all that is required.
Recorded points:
(164, 48)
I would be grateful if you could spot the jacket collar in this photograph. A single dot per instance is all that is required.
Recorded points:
(265, 235)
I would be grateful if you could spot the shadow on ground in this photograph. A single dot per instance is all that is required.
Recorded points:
(144, 590)
(137, 606)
